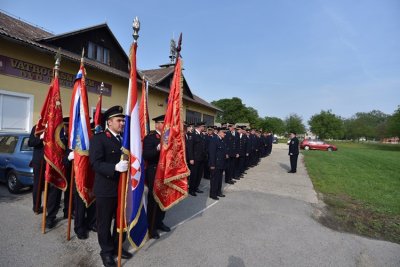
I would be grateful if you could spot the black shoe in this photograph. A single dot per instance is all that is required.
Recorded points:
(40, 211)
(108, 261)
(215, 198)
(164, 228)
(221, 195)
(237, 178)
(82, 236)
(124, 255)
(50, 224)
(192, 193)
(230, 182)
(155, 235)
(291, 171)
(199, 191)
(92, 228)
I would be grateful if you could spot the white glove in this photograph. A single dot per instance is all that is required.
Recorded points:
(71, 155)
(41, 136)
(122, 166)
(158, 147)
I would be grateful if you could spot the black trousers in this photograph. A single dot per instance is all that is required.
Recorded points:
(216, 182)
(242, 164)
(206, 171)
(85, 218)
(106, 208)
(36, 178)
(155, 215)
(53, 202)
(196, 175)
(66, 197)
(293, 162)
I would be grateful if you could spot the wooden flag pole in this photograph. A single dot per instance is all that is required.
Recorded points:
(39, 189)
(71, 187)
(46, 188)
(121, 216)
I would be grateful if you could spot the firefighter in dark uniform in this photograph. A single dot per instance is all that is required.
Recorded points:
(188, 146)
(84, 218)
(199, 153)
(105, 159)
(208, 138)
(54, 194)
(68, 166)
(293, 152)
(151, 154)
(232, 145)
(39, 168)
(216, 161)
(243, 151)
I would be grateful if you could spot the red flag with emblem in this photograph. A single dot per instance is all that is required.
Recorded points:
(54, 149)
(170, 185)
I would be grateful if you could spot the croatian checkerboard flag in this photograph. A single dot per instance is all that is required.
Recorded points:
(135, 208)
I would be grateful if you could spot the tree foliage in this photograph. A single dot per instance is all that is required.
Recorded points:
(367, 124)
(393, 124)
(294, 123)
(235, 111)
(274, 124)
(326, 125)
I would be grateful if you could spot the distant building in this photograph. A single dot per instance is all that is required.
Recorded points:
(27, 59)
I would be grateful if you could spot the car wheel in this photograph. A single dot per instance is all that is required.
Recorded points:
(330, 149)
(13, 184)
(306, 148)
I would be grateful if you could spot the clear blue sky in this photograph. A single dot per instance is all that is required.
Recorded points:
(280, 57)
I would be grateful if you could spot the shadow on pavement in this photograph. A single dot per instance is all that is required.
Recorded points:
(284, 166)
(235, 262)
(7, 197)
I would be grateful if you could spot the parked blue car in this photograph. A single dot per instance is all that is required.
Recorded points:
(15, 158)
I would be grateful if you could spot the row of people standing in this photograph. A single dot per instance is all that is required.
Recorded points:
(84, 218)
(230, 150)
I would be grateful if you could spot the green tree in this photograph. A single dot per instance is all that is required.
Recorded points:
(294, 123)
(235, 111)
(326, 125)
(274, 124)
(393, 124)
(368, 124)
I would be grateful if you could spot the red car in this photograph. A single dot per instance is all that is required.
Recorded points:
(317, 145)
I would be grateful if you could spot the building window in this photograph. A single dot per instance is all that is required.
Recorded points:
(208, 119)
(16, 111)
(192, 116)
(98, 53)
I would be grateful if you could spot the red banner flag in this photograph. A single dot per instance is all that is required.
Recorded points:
(144, 111)
(54, 148)
(170, 185)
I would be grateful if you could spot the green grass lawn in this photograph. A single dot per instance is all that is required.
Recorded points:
(361, 186)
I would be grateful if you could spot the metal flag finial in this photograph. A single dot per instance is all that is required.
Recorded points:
(172, 54)
(83, 53)
(58, 61)
(102, 88)
(136, 28)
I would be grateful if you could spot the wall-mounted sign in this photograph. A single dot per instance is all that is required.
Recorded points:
(29, 71)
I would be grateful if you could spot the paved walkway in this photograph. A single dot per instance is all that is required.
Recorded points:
(265, 220)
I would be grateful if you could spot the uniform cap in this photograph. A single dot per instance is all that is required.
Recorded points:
(115, 111)
(159, 118)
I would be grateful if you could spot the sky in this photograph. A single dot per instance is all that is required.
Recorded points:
(279, 57)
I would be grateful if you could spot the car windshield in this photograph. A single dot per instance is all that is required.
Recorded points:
(24, 145)
(8, 143)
